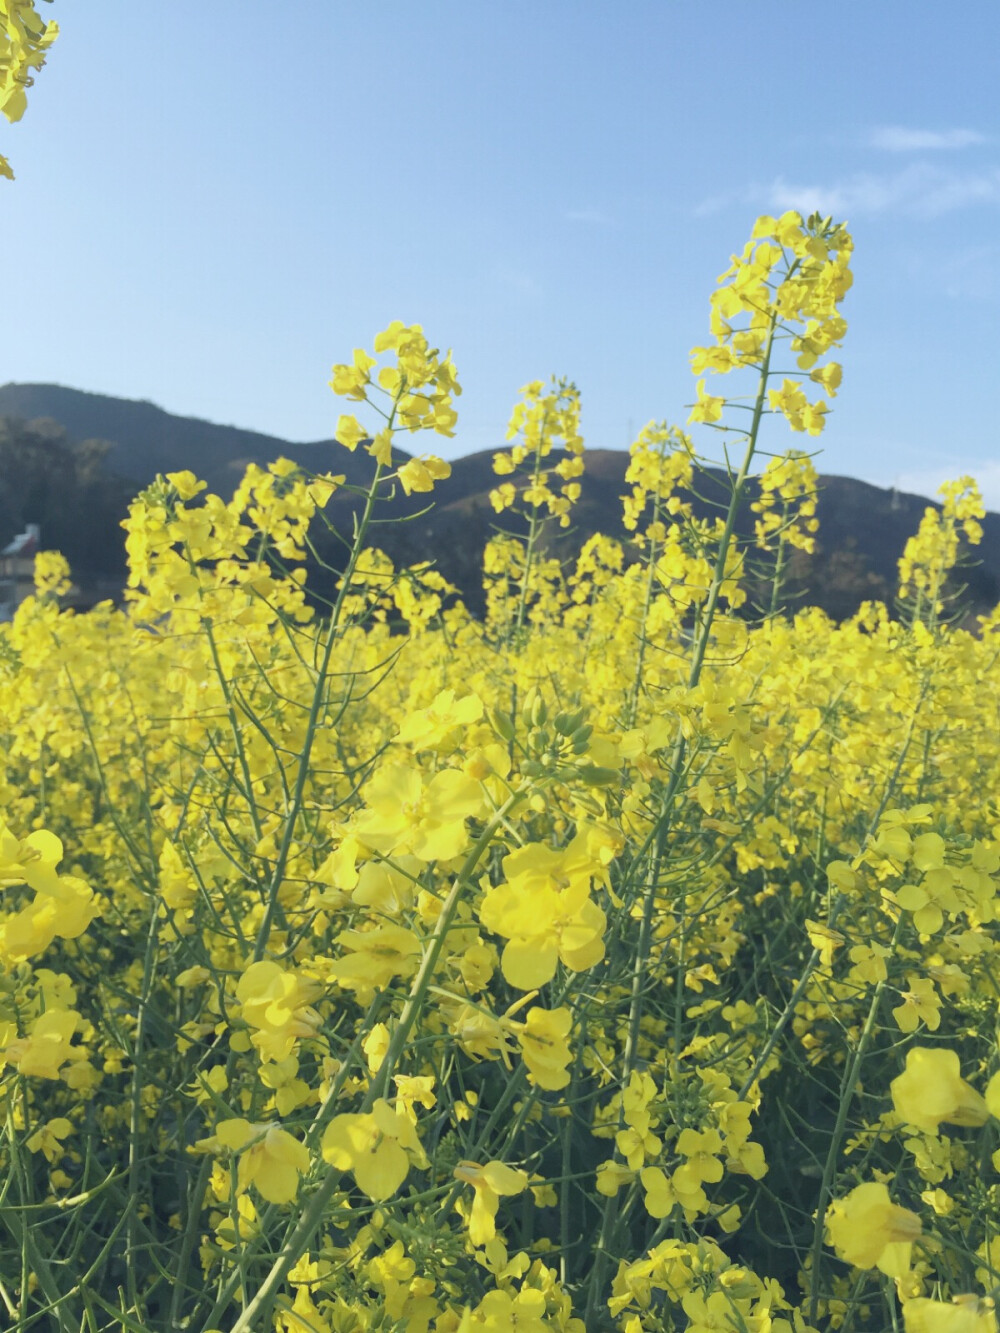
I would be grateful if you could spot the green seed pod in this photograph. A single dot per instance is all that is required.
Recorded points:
(596, 776)
(503, 724)
(581, 738)
(535, 708)
(567, 723)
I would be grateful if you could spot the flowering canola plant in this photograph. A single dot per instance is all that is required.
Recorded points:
(622, 959)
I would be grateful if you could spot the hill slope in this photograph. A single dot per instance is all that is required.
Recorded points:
(145, 439)
(862, 528)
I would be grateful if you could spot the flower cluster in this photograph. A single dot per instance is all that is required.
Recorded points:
(611, 960)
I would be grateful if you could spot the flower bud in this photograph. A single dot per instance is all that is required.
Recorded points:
(567, 723)
(502, 723)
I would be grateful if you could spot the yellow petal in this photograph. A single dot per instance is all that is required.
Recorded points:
(527, 964)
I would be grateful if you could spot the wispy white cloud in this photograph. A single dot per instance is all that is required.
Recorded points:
(896, 139)
(922, 189)
(859, 194)
(717, 203)
(515, 282)
(594, 216)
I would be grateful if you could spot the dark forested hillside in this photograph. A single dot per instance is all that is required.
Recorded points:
(71, 461)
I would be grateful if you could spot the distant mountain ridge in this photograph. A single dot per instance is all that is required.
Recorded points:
(146, 439)
(863, 528)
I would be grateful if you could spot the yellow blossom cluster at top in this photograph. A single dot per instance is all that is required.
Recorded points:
(789, 274)
(537, 422)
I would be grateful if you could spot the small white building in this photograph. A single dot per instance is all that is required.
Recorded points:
(17, 570)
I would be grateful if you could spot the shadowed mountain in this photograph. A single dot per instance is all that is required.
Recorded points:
(70, 461)
(145, 440)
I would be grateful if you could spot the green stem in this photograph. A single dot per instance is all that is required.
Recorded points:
(535, 525)
(234, 725)
(609, 1220)
(777, 579)
(298, 1241)
(847, 1089)
(195, 1201)
(281, 860)
(736, 498)
(136, 1191)
(33, 1260)
(836, 908)
(632, 709)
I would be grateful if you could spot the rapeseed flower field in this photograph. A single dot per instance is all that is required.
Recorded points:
(623, 960)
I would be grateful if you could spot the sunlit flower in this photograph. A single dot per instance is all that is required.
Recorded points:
(269, 1157)
(489, 1182)
(376, 1147)
(931, 1090)
(868, 1230)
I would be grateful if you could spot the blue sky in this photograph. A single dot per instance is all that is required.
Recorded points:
(214, 203)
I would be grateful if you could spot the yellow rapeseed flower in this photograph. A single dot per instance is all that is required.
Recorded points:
(963, 1314)
(931, 1090)
(868, 1230)
(489, 1182)
(269, 1157)
(376, 1146)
